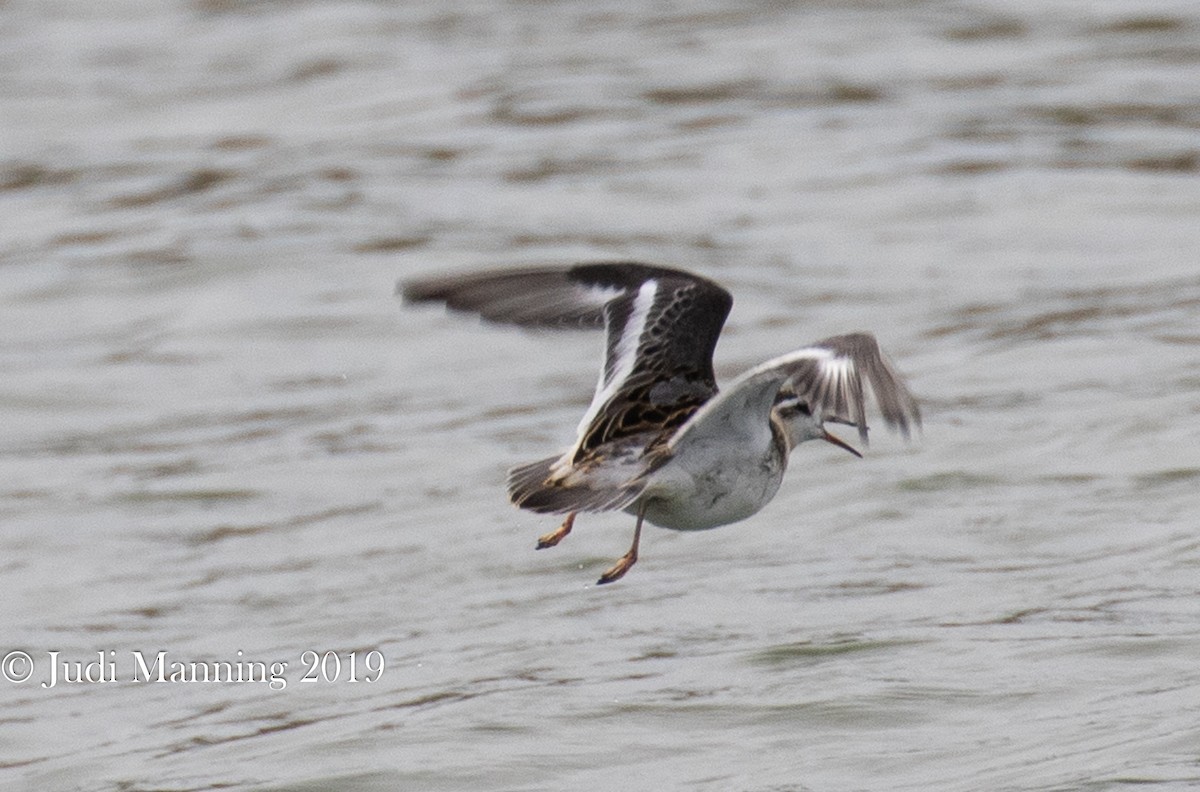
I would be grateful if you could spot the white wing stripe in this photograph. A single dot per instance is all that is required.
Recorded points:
(627, 347)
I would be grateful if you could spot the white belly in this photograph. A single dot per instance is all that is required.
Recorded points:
(699, 496)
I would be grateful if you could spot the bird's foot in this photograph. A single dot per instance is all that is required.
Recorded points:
(556, 536)
(618, 570)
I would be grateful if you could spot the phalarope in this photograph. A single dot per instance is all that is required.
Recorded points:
(658, 440)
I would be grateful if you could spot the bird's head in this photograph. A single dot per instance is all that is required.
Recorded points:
(801, 425)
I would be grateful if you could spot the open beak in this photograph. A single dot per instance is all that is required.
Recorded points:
(840, 443)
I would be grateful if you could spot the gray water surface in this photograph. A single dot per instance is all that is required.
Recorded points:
(224, 435)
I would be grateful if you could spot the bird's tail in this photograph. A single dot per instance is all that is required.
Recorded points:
(536, 487)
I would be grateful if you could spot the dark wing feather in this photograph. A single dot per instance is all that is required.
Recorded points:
(527, 297)
(658, 365)
(549, 297)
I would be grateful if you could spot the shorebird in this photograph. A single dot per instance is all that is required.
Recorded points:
(659, 440)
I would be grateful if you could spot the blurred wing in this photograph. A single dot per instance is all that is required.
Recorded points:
(829, 375)
(547, 298)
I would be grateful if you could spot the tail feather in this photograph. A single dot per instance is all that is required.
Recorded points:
(532, 487)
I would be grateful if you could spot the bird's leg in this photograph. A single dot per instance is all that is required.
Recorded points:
(556, 536)
(618, 570)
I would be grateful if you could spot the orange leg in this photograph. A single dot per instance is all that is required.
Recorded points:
(556, 536)
(618, 570)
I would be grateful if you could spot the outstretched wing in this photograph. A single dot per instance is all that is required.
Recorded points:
(830, 376)
(546, 297)
(661, 327)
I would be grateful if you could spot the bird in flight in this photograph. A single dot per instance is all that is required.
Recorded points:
(659, 440)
